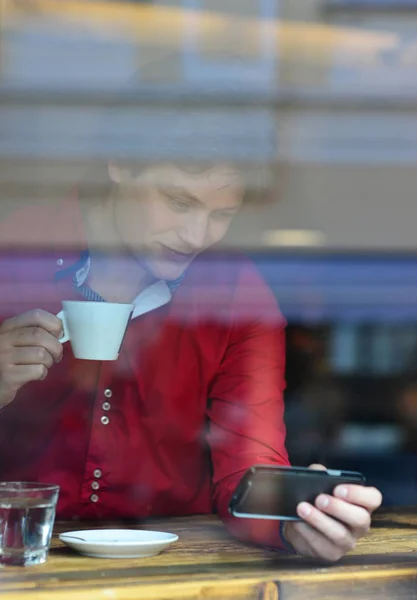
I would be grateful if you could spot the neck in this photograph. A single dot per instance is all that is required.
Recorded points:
(115, 273)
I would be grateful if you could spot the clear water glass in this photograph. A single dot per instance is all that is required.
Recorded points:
(27, 515)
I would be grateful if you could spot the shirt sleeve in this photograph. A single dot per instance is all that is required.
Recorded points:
(246, 408)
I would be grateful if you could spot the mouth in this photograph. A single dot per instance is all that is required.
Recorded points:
(175, 255)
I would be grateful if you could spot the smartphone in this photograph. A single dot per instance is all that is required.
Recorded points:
(270, 492)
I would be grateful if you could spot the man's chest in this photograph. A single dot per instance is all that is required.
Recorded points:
(145, 411)
(167, 362)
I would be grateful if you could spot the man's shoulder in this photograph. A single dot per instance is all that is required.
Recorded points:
(222, 267)
(230, 281)
(25, 226)
(233, 270)
(41, 226)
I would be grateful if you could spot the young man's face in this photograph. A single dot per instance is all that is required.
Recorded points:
(166, 216)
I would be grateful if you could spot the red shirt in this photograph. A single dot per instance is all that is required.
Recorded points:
(168, 429)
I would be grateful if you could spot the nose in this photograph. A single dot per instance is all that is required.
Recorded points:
(194, 232)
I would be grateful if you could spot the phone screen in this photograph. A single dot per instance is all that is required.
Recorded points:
(275, 493)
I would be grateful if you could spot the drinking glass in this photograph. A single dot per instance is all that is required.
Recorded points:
(27, 514)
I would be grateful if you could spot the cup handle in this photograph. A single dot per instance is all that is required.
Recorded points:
(65, 337)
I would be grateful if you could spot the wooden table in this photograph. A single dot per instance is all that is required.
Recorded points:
(207, 563)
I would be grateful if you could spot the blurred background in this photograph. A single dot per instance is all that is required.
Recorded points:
(324, 92)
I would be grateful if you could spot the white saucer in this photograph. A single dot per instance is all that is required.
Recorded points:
(118, 543)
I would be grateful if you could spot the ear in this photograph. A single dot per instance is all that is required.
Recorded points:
(117, 173)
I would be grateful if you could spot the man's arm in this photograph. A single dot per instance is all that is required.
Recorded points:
(246, 408)
(246, 413)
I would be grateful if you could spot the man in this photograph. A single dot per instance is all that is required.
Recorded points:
(195, 397)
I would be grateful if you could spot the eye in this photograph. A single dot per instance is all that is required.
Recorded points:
(178, 205)
(223, 215)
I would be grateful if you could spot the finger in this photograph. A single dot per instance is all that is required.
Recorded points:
(35, 318)
(315, 467)
(19, 375)
(313, 543)
(35, 355)
(293, 532)
(358, 519)
(334, 531)
(368, 497)
(36, 336)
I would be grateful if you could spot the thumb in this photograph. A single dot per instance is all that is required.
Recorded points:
(315, 467)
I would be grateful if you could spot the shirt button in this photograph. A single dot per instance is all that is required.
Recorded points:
(97, 473)
(94, 498)
(108, 393)
(106, 406)
(95, 485)
(105, 420)
(60, 262)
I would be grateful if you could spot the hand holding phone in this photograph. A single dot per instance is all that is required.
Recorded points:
(335, 507)
(272, 492)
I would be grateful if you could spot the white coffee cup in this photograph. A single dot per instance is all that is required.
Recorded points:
(95, 329)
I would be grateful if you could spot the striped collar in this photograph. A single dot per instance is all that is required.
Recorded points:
(152, 297)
